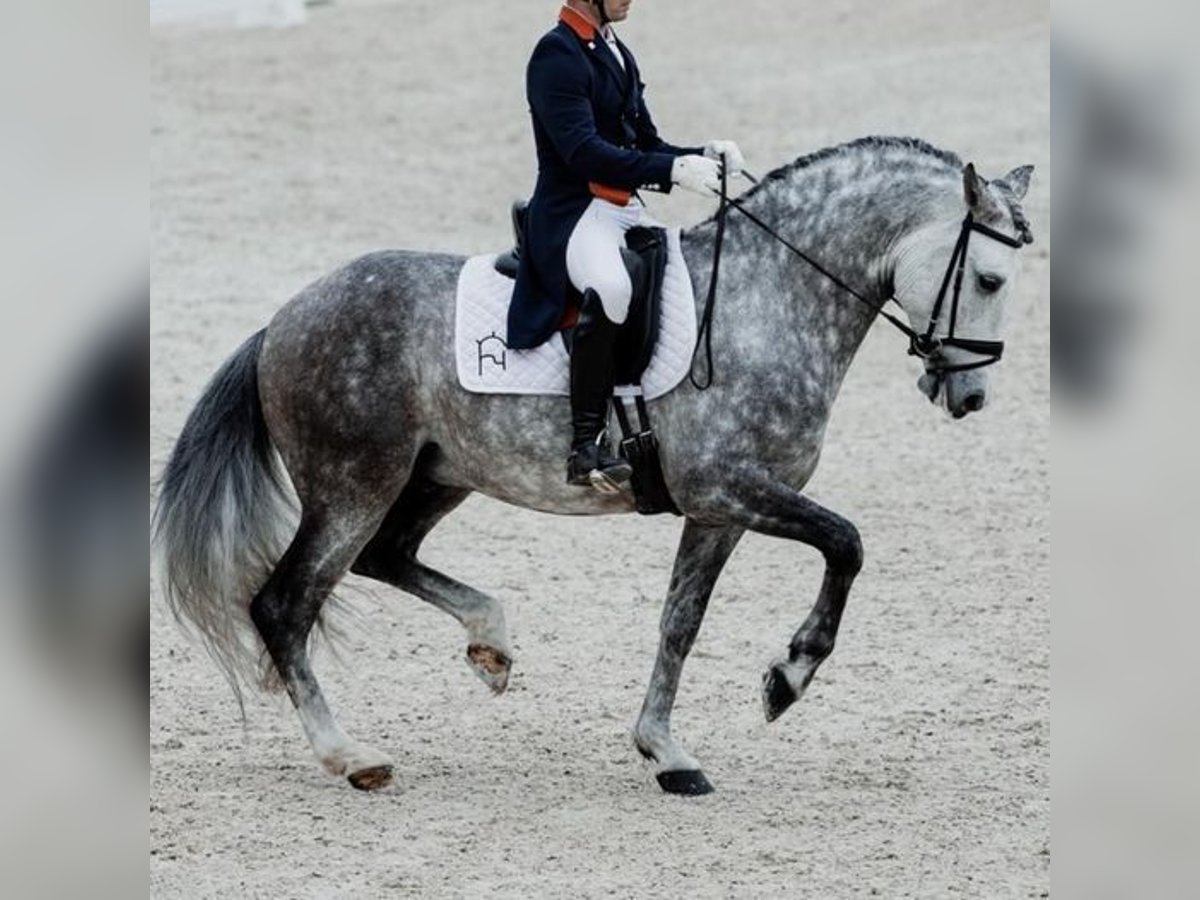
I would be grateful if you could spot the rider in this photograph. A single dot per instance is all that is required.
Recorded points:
(596, 146)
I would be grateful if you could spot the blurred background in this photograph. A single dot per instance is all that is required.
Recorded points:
(74, 369)
(1125, 685)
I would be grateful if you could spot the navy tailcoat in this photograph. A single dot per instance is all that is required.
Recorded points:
(590, 127)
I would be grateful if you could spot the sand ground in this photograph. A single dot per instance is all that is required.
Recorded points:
(916, 766)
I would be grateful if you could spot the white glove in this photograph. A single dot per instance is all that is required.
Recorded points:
(729, 150)
(697, 174)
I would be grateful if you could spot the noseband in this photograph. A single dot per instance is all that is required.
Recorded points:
(925, 345)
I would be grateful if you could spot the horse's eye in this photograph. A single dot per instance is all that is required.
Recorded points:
(989, 284)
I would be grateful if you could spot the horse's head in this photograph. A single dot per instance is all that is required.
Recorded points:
(954, 278)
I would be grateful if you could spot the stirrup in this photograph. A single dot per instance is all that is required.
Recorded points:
(607, 474)
(605, 483)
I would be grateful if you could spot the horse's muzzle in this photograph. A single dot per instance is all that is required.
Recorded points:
(959, 392)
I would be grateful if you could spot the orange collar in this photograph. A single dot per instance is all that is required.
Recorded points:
(577, 22)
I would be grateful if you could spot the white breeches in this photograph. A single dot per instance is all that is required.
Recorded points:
(594, 253)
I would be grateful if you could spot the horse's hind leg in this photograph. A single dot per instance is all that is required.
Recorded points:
(702, 554)
(284, 612)
(391, 557)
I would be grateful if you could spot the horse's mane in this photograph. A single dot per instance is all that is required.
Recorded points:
(880, 143)
(872, 142)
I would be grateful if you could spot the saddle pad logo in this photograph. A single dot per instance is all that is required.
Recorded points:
(488, 348)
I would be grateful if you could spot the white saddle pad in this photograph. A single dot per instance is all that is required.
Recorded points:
(486, 365)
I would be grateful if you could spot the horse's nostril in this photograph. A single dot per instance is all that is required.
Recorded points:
(974, 402)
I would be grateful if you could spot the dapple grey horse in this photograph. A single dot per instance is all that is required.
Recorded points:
(351, 390)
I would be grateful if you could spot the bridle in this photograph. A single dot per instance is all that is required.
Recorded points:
(927, 345)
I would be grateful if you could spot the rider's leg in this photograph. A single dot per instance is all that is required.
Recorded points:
(594, 255)
(595, 267)
(591, 462)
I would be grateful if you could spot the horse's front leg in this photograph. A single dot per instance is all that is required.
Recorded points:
(702, 553)
(769, 507)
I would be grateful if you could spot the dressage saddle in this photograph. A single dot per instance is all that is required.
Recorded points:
(645, 257)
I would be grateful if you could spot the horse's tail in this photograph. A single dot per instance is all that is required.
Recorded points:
(224, 514)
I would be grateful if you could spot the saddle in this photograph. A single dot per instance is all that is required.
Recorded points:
(645, 257)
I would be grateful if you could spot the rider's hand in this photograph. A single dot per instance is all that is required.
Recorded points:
(696, 173)
(728, 150)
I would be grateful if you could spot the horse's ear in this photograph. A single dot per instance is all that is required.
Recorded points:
(973, 186)
(1016, 182)
(980, 198)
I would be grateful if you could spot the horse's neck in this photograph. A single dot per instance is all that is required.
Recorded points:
(770, 298)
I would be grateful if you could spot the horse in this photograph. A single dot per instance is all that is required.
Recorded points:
(337, 438)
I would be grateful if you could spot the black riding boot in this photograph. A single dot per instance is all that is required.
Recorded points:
(591, 462)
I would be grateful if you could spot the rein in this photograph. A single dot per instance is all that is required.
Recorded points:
(920, 344)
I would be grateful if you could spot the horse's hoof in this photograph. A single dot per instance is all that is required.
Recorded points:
(777, 693)
(688, 782)
(371, 779)
(491, 665)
